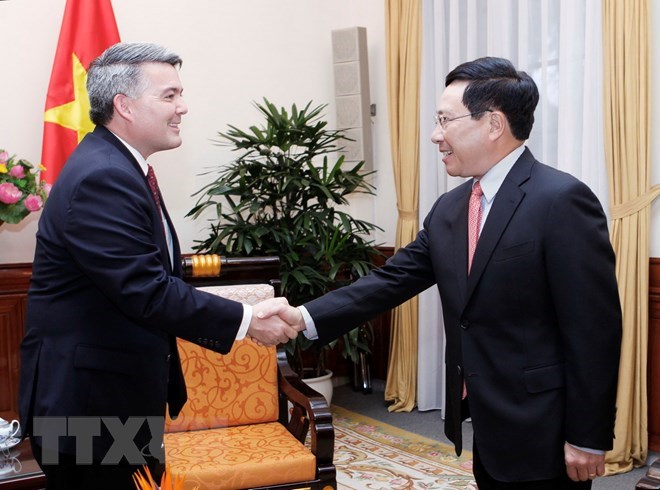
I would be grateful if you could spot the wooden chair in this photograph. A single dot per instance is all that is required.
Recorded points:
(249, 422)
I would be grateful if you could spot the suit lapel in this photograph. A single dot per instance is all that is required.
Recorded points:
(458, 223)
(507, 200)
(107, 135)
(176, 252)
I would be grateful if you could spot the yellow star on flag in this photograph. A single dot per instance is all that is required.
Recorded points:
(75, 114)
(88, 29)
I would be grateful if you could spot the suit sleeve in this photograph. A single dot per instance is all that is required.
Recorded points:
(407, 273)
(581, 271)
(110, 231)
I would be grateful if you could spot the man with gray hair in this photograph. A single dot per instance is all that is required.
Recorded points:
(106, 301)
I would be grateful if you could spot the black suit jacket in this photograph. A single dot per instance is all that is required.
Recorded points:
(104, 305)
(535, 330)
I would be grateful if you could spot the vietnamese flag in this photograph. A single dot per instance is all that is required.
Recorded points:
(88, 28)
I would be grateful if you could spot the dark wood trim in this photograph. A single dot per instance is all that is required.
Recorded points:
(653, 383)
(15, 278)
(14, 282)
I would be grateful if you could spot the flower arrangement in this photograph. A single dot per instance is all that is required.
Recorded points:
(21, 193)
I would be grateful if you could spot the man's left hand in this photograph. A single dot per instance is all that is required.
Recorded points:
(581, 465)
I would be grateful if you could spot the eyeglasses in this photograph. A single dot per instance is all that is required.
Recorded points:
(443, 120)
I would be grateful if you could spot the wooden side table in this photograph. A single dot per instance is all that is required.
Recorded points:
(19, 469)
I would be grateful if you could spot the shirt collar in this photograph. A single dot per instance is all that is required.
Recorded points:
(493, 179)
(142, 162)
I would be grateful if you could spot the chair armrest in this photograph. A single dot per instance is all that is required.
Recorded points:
(310, 411)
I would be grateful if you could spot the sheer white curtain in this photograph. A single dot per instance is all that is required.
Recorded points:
(559, 44)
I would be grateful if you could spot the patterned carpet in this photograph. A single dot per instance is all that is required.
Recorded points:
(372, 455)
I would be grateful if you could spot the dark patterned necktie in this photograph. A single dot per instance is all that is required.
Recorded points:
(153, 184)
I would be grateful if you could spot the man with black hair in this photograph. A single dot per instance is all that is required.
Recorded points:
(521, 258)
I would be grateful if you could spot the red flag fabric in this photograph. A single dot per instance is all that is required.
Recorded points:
(88, 28)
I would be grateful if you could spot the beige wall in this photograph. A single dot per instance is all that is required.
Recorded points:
(234, 52)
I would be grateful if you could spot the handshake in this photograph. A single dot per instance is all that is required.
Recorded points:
(274, 322)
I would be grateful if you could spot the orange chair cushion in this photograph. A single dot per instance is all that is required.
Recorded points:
(226, 390)
(238, 457)
(233, 389)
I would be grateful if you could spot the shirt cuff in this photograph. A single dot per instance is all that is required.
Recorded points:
(310, 329)
(245, 323)
(587, 450)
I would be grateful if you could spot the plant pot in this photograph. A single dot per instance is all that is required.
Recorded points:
(322, 384)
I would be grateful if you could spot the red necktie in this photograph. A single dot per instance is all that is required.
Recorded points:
(153, 184)
(474, 221)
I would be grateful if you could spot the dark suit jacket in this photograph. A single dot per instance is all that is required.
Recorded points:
(104, 305)
(535, 329)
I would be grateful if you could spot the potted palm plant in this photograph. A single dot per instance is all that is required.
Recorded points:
(283, 195)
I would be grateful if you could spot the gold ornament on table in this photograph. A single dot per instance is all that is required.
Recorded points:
(21, 191)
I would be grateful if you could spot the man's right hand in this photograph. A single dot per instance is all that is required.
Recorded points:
(289, 314)
(267, 327)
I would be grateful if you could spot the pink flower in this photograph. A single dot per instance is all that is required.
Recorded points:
(17, 171)
(9, 193)
(4, 156)
(33, 203)
(47, 187)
